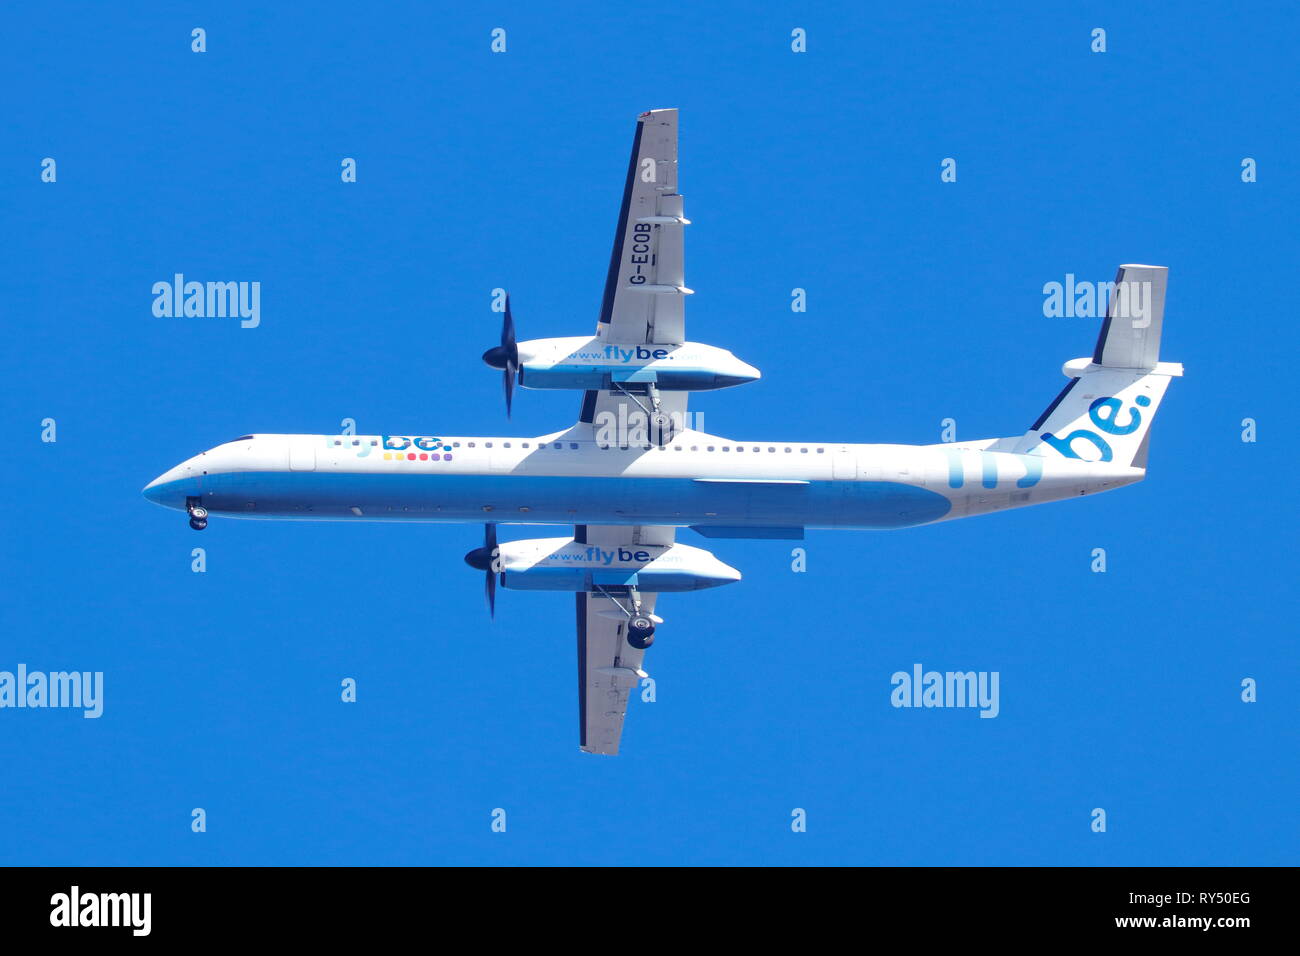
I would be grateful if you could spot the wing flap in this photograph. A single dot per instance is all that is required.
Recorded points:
(645, 286)
(609, 668)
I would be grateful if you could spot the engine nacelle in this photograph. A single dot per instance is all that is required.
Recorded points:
(562, 564)
(588, 363)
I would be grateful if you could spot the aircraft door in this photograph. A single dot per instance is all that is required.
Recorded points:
(844, 465)
(844, 472)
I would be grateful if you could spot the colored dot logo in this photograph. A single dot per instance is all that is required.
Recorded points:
(405, 448)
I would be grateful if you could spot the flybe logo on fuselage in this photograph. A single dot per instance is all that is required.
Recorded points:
(616, 353)
(597, 555)
(1103, 413)
(417, 448)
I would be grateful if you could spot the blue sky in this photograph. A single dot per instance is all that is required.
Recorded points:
(475, 171)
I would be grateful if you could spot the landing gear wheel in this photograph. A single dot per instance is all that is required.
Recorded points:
(198, 512)
(198, 524)
(661, 428)
(640, 631)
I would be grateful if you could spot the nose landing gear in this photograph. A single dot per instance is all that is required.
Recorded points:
(198, 514)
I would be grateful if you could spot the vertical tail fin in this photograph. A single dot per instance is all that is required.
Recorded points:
(1130, 336)
(1105, 412)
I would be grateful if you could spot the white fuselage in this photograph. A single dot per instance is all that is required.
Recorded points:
(703, 481)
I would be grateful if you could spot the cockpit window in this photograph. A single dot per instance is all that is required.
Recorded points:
(240, 438)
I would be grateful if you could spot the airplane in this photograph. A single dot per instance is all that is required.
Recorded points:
(631, 472)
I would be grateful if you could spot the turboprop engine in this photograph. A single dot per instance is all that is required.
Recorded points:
(587, 362)
(583, 362)
(563, 564)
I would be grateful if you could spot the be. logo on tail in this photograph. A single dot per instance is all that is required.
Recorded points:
(1104, 413)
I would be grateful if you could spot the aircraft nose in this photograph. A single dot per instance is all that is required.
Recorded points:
(168, 489)
(154, 490)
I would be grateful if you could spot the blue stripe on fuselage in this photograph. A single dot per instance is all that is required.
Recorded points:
(672, 378)
(557, 499)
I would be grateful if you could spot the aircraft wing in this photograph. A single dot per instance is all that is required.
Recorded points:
(609, 668)
(645, 289)
(644, 302)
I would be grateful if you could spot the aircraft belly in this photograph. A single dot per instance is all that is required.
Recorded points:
(559, 499)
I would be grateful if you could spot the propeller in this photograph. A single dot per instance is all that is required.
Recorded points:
(506, 355)
(484, 559)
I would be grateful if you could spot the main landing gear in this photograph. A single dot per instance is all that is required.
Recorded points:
(198, 514)
(659, 423)
(640, 626)
(640, 631)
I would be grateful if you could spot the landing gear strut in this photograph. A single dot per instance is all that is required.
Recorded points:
(198, 514)
(658, 418)
(659, 422)
(640, 627)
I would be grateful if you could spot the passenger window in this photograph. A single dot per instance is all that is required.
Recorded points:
(803, 451)
(771, 449)
(788, 449)
(525, 445)
(820, 450)
(487, 444)
(573, 445)
(710, 448)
